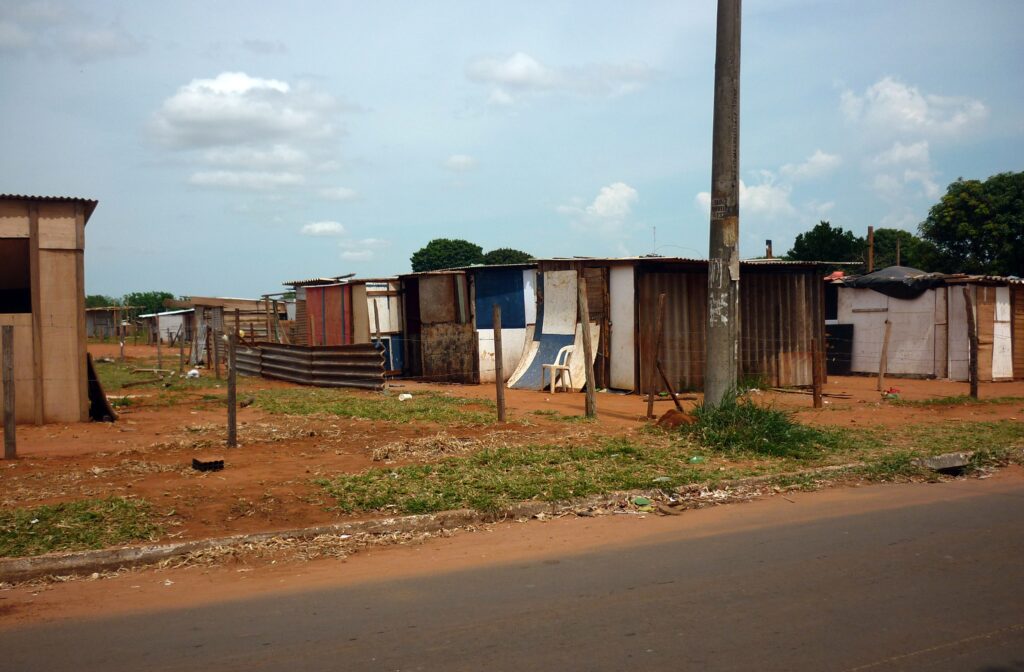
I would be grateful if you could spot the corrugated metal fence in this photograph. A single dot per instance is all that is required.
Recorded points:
(360, 365)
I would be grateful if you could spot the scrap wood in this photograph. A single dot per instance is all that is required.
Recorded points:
(142, 382)
(152, 371)
(836, 395)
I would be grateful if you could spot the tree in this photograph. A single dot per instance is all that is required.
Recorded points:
(446, 253)
(914, 252)
(147, 302)
(827, 243)
(506, 255)
(100, 301)
(978, 227)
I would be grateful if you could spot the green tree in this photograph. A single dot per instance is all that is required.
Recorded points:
(147, 302)
(446, 253)
(506, 255)
(978, 227)
(913, 251)
(827, 243)
(100, 301)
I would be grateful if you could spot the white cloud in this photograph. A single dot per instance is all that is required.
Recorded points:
(56, 29)
(361, 249)
(279, 155)
(520, 74)
(234, 108)
(767, 199)
(916, 154)
(460, 163)
(339, 194)
(816, 165)
(607, 215)
(323, 229)
(891, 108)
(92, 44)
(245, 179)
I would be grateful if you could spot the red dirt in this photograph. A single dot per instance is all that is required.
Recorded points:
(506, 543)
(266, 484)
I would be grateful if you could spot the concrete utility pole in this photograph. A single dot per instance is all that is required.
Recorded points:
(723, 333)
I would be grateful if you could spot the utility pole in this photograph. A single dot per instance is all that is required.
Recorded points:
(723, 329)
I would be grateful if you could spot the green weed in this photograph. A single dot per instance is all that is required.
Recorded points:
(424, 406)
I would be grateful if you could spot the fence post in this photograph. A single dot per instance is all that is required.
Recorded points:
(232, 393)
(816, 373)
(972, 339)
(883, 362)
(652, 368)
(499, 377)
(181, 347)
(10, 439)
(159, 352)
(216, 355)
(588, 352)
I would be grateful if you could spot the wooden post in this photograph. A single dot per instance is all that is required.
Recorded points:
(121, 338)
(652, 368)
(376, 320)
(668, 386)
(816, 373)
(181, 347)
(216, 356)
(10, 439)
(499, 377)
(871, 249)
(238, 322)
(277, 321)
(232, 393)
(883, 361)
(588, 351)
(159, 352)
(972, 339)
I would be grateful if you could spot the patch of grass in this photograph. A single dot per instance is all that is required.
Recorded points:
(961, 400)
(496, 478)
(424, 406)
(738, 425)
(897, 466)
(73, 526)
(561, 417)
(935, 438)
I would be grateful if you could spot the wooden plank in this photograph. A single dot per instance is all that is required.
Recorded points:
(985, 316)
(37, 312)
(588, 350)
(10, 441)
(972, 337)
(83, 368)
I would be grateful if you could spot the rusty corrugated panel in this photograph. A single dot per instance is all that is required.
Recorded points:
(450, 353)
(1017, 331)
(438, 298)
(301, 323)
(360, 366)
(682, 348)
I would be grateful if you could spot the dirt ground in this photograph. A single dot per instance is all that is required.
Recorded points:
(508, 543)
(267, 482)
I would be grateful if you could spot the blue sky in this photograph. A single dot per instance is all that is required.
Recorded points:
(235, 145)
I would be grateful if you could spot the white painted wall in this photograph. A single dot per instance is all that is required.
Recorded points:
(560, 302)
(622, 295)
(1002, 344)
(911, 337)
(513, 341)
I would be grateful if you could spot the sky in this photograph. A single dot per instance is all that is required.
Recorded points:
(236, 145)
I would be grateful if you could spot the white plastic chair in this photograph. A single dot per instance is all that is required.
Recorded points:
(559, 368)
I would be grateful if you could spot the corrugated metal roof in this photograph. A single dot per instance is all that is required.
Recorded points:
(169, 312)
(90, 204)
(309, 282)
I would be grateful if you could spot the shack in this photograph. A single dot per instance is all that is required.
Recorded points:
(105, 322)
(449, 335)
(42, 295)
(169, 326)
(925, 315)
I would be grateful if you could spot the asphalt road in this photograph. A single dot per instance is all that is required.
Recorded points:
(923, 587)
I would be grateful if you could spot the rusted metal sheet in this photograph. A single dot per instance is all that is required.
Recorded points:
(329, 312)
(781, 310)
(360, 365)
(439, 301)
(450, 353)
(1017, 331)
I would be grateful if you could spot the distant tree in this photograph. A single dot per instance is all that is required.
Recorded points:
(914, 252)
(506, 255)
(978, 227)
(100, 301)
(148, 302)
(827, 243)
(446, 253)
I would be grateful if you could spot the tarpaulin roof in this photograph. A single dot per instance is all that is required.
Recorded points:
(899, 282)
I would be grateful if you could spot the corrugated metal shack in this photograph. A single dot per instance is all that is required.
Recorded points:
(449, 335)
(928, 329)
(219, 315)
